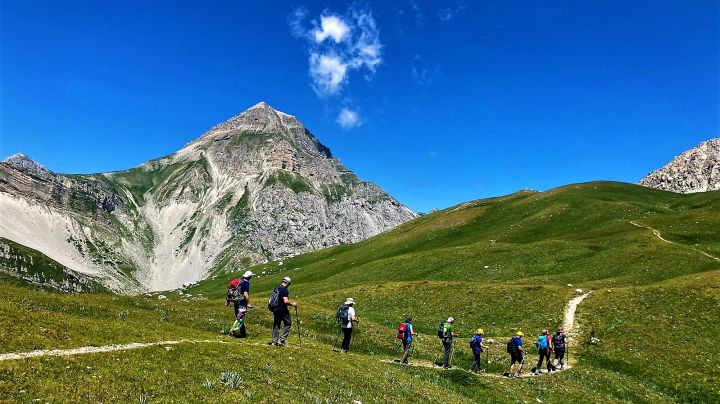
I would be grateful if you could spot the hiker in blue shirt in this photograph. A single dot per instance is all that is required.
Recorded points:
(517, 355)
(243, 302)
(407, 340)
(476, 343)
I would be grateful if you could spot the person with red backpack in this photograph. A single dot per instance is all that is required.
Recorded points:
(239, 294)
(405, 334)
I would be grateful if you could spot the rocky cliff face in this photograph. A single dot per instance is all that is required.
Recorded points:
(696, 170)
(257, 187)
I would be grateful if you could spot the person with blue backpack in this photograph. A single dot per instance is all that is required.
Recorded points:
(544, 348)
(477, 346)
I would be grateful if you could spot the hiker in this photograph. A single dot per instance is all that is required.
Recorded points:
(559, 343)
(517, 354)
(477, 346)
(544, 349)
(278, 304)
(446, 334)
(239, 295)
(405, 334)
(347, 317)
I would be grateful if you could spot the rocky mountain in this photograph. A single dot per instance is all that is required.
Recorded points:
(696, 170)
(257, 187)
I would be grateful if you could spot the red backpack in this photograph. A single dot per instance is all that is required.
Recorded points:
(232, 291)
(402, 331)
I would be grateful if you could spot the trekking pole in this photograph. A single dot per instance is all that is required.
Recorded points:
(297, 319)
(487, 359)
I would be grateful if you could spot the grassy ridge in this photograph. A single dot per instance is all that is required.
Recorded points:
(501, 264)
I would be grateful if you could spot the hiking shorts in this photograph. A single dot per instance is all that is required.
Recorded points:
(516, 358)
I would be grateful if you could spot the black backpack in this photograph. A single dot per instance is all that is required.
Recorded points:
(512, 346)
(274, 300)
(559, 341)
(341, 316)
(441, 330)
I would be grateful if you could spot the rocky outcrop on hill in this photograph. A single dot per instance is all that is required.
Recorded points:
(255, 188)
(696, 170)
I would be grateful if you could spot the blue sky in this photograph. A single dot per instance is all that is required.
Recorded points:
(437, 102)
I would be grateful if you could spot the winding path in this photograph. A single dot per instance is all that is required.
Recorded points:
(657, 234)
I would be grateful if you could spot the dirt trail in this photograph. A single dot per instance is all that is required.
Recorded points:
(569, 321)
(98, 349)
(657, 234)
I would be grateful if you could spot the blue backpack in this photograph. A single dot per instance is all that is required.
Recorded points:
(542, 342)
(476, 343)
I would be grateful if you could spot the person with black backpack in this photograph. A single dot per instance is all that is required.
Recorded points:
(559, 343)
(446, 332)
(517, 355)
(345, 316)
(278, 304)
(477, 346)
(405, 334)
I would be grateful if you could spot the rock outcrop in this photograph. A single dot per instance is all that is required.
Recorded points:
(696, 170)
(255, 188)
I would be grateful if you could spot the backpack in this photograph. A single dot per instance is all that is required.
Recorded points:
(232, 291)
(559, 341)
(274, 300)
(402, 331)
(542, 342)
(512, 347)
(441, 330)
(476, 344)
(341, 316)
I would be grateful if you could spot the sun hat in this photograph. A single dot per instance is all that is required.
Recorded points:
(349, 300)
(450, 320)
(480, 331)
(287, 279)
(248, 274)
(519, 334)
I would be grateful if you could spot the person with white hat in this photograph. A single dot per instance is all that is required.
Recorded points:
(239, 295)
(346, 317)
(448, 332)
(281, 313)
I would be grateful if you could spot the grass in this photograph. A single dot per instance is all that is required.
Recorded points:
(502, 264)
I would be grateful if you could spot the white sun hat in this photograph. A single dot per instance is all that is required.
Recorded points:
(248, 274)
(350, 300)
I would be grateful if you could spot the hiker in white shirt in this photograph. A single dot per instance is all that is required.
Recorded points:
(347, 327)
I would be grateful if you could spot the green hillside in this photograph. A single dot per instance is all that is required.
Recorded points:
(649, 257)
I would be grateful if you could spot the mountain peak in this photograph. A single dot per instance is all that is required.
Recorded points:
(696, 170)
(23, 162)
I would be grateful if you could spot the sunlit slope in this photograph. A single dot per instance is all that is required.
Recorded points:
(585, 234)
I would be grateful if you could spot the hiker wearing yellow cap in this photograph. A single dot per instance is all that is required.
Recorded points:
(477, 346)
(517, 355)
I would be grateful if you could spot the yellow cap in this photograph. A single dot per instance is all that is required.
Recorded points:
(519, 334)
(480, 331)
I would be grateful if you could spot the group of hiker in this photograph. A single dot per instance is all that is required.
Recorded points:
(279, 303)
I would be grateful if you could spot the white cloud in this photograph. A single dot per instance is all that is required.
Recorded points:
(348, 119)
(327, 72)
(422, 73)
(333, 27)
(448, 13)
(338, 45)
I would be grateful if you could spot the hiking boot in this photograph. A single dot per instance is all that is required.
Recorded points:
(280, 344)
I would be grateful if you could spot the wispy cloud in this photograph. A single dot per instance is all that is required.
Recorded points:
(446, 14)
(348, 119)
(339, 46)
(421, 72)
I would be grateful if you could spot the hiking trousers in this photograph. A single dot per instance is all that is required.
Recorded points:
(347, 335)
(240, 313)
(407, 347)
(278, 318)
(560, 356)
(544, 354)
(448, 345)
(477, 362)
